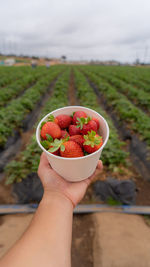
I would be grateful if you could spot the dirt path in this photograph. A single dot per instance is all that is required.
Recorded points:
(121, 240)
(99, 240)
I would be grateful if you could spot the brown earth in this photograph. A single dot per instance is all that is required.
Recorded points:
(99, 240)
(106, 240)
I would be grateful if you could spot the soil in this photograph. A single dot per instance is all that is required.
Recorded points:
(143, 186)
(6, 196)
(82, 245)
(90, 232)
(101, 239)
(13, 226)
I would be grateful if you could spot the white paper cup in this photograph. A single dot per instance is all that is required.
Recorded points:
(75, 169)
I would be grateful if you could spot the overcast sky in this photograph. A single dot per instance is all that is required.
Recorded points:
(79, 29)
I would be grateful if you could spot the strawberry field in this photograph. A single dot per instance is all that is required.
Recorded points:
(120, 94)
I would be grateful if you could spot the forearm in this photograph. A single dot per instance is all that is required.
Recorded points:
(47, 241)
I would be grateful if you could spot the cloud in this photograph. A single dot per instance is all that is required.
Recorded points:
(98, 29)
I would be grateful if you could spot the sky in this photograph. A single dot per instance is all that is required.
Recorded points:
(79, 29)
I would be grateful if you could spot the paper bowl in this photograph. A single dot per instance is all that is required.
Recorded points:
(75, 169)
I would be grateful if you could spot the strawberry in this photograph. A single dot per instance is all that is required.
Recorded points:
(72, 150)
(52, 119)
(64, 121)
(52, 129)
(78, 139)
(78, 114)
(74, 130)
(97, 122)
(91, 125)
(92, 142)
(64, 133)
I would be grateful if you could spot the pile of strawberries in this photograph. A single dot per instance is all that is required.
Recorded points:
(71, 136)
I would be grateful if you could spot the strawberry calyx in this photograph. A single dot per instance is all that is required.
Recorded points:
(81, 121)
(51, 118)
(46, 143)
(92, 139)
(58, 144)
(42, 124)
(72, 115)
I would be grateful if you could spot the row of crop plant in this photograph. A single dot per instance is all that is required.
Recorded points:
(27, 161)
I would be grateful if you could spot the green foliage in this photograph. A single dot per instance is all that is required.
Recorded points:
(112, 154)
(139, 97)
(137, 120)
(113, 202)
(28, 160)
(18, 109)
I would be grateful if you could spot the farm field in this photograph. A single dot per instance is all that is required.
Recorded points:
(120, 94)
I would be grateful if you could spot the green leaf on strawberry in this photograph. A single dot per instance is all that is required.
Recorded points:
(42, 124)
(58, 143)
(51, 118)
(86, 153)
(49, 138)
(46, 144)
(92, 139)
(55, 145)
(72, 114)
(62, 148)
(81, 121)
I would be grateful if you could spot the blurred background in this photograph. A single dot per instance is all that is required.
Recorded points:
(96, 54)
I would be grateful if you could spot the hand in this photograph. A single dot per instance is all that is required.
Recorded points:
(53, 182)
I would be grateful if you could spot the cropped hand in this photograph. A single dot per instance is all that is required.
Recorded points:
(53, 182)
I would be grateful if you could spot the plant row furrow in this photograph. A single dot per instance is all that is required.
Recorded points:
(139, 97)
(113, 153)
(12, 116)
(28, 160)
(10, 74)
(18, 86)
(136, 119)
(132, 79)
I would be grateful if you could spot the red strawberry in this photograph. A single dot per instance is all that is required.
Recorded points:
(74, 130)
(97, 122)
(52, 129)
(71, 150)
(91, 125)
(92, 142)
(64, 134)
(78, 139)
(78, 114)
(64, 121)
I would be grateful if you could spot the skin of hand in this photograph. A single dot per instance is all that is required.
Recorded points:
(44, 243)
(54, 183)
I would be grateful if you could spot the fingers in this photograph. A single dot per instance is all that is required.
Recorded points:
(44, 161)
(99, 165)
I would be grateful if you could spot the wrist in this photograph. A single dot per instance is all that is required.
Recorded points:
(58, 198)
